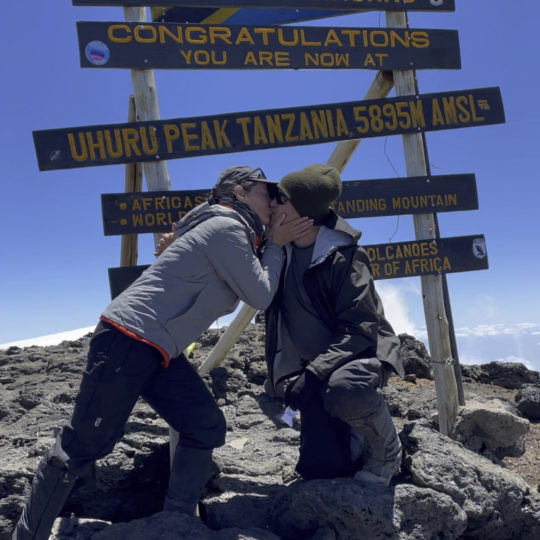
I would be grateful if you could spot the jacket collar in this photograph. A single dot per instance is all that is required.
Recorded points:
(334, 233)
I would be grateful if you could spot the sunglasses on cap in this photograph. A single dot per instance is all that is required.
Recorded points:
(257, 174)
(280, 197)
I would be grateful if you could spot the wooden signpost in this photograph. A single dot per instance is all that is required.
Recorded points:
(192, 46)
(142, 46)
(388, 261)
(334, 5)
(428, 257)
(155, 211)
(258, 130)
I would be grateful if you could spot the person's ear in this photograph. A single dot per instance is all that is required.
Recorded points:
(239, 193)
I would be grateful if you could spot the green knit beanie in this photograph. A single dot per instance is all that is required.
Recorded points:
(312, 190)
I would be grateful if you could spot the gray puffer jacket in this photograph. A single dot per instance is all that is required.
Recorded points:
(201, 276)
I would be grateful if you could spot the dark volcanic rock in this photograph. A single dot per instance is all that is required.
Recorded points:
(528, 401)
(446, 490)
(504, 374)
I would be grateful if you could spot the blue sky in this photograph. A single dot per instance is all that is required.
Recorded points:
(55, 257)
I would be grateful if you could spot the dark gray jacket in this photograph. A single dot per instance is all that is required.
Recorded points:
(341, 288)
(201, 276)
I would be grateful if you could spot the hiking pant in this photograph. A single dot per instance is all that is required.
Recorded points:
(328, 446)
(119, 370)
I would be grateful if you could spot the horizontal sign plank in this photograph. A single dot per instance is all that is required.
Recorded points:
(121, 277)
(388, 261)
(258, 130)
(402, 196)
(155, 211)
(345, 5)
(424, 257)
(146, 212)
(195, 46)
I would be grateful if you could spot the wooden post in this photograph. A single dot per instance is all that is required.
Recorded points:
(380, 88)
(147, 108)
(432, 289)
(129, 248)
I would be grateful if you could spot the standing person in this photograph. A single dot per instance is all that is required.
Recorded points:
(136, 349)
(329, 347)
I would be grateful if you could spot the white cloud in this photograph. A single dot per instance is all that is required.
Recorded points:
(502, 343)
(52, 339)
(395, 309)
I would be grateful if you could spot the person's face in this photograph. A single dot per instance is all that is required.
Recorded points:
(258, 199)
(282, 206)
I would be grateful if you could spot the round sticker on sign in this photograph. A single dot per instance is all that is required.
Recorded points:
(479, 248)
(97, 53)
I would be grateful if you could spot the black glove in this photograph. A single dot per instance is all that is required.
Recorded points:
(302, 390)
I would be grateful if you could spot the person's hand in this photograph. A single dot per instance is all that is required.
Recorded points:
(299, 393)
(282, 233)
(166, 240)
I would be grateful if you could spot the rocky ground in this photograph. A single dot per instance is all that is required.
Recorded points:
(481, 483)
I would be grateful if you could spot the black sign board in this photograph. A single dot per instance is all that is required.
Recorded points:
(346, 5)
(258, 130)
(155, 211)
(388, 261)
(195, 46)
(424, 257)
(413, 195)
(149, 211)
(121, 277)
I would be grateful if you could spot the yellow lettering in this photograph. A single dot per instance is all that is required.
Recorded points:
(304, 40)
(149, 150)
(119, 33)
(207, 141)
(320, 127)
(172, 133)
(283, 41)
(438, 119)
(305, 128)
(151, 30)
(273, 124)
(332, 39)
(420, 39)
(164, 31)
(341, 123)
(78, 154)
(114, 152)
(289, 137)
(221, 33)
(196, 34)
(259, 134)
(244, 121)
(221, 137)
(97, 144)
(244, 37)
(449, 107)
(476, 118)
(189, 137)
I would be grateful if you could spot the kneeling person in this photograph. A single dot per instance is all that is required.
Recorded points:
(328, 342)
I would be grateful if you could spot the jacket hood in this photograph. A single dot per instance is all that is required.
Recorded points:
(334, 233)
(205, 211)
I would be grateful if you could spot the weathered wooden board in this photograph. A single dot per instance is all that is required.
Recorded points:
(110, 144)
(334, 5)
(395, 260)
(195, 46)
(155, 211)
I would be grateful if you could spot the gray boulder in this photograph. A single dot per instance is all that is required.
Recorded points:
(354, 510)
(528, 401)
(490, 426)
(498, 503)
